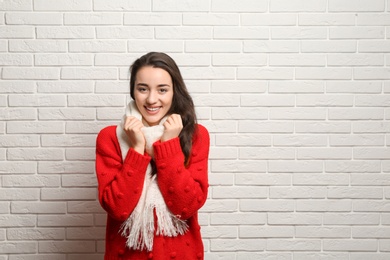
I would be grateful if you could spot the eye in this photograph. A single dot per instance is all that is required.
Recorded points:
(141, 89)
(163, 90)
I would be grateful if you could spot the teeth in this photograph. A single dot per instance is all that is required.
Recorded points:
(152, 108)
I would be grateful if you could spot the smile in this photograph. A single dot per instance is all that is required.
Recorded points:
(152, 109)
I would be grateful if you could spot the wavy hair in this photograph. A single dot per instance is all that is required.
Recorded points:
(182, 102)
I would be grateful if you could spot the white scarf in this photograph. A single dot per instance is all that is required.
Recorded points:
(139, 227)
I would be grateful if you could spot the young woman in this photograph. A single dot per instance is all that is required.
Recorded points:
(152, 168)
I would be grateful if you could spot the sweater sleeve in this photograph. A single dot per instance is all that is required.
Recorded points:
(184, 188)
(119, 183)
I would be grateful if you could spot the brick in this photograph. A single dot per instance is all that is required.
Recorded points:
(274, 46)
(266, 232)
(65, 32)
(324, 206)
(115, 60)
(35, 18)
(315, 179)
(89, 73)
(68, 194)
(265, 73)
(97, 46)
(296, 60)
(17, 114)
(80, 154)
(323, 127)
(372, 127)
(294, 218)
(219, 232)
(301, 33)
(356, 114)
(297, 6)
(19, 5)
(323, 73)
(301, 86)
(297, 114)
(228, 245)
(73, 220)
(374, 46)
(357, 140)
(92, 19)
(373, 19)
(85, 233)
(239, 192)
(67, 247)
(370, 179)
(35, 127)
(234, 113)
(352, 166)
(38, 207)
(79, 207)
(220, 206)
(350, 245)
(31, 181)
(212, 19)
(31, 73)
(239, 60)
(297, 192)
(109, 114)
(348, 32)
(239, 6)
(343, 46)
(35, 154)
(180, 6)
(120, 5)
(255, 19)
(242, 32)
(144, 46)
(78, 181)
(356, 6)
(355, 60)
(254, 205)
(16, 60)
(65, 167)
(35, 234)
(188, 32)
(87, 127)
(237, 166)
(238, 86)
(152, 19)
(238, 219)
(265, 127)
(212, 46)
(293, 245)
(222, 153)
(324, 19)
(129, 32)
(353, 87)
(300, 166)
(19, 86)
(17, 221)
(17, 167)
(66, 114)
(370, 232)
(63, 5)
(299, 140)
(372, 101)
(355, 193)
(351, 219)
(40, 46)
(65, 86)
(18, 247)
(63, 59)
(27, 100)
(95, 100)
(16, 32)
(371, 73)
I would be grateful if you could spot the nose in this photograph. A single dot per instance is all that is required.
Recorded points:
(152, 97)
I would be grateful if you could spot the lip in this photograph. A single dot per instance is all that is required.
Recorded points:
(152, 110)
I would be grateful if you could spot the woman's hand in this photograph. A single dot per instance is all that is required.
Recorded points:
(172, 127)
(132, 126)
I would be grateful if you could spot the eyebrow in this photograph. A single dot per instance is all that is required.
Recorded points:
(159, 86)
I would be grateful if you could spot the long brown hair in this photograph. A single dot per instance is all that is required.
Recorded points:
(182, 103)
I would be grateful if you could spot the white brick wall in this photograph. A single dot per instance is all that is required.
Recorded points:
(295, 94)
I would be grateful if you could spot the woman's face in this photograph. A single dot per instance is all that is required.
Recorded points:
(153, 93)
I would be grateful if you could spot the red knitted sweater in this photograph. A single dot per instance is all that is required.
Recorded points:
(184, 190)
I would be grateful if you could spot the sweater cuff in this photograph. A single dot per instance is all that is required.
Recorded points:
(136, 160)
(167, 149)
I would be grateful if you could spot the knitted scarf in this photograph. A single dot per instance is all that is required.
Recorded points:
(139, 227)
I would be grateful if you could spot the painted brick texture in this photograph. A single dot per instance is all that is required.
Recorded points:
(295, 94)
